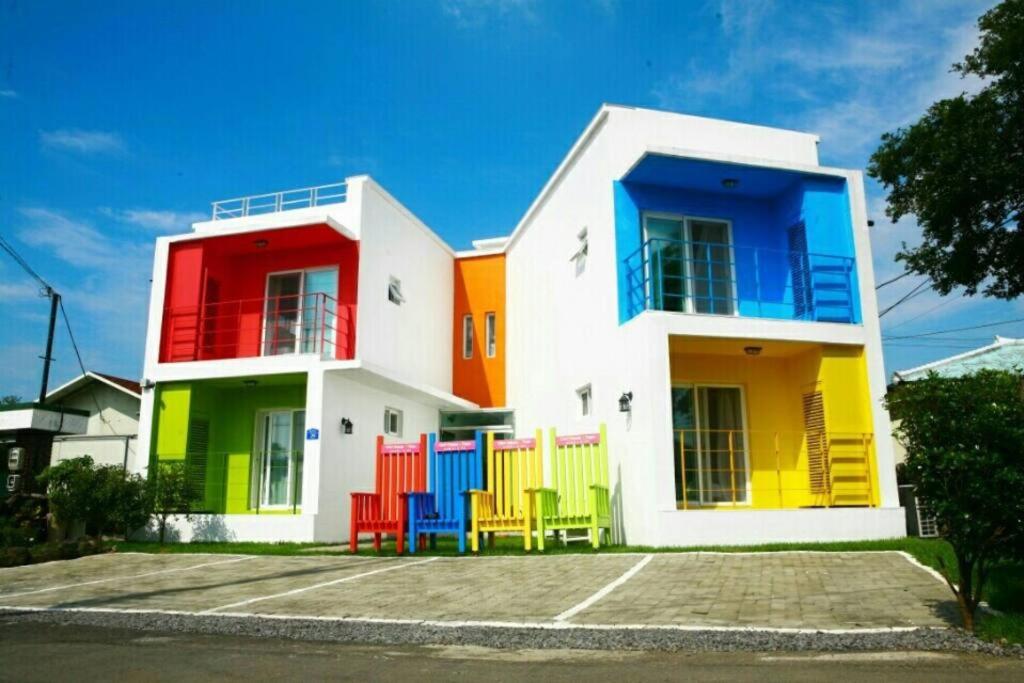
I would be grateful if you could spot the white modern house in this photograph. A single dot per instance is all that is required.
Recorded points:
(702, 287)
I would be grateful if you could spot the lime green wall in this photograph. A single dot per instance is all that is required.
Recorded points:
(231, 411)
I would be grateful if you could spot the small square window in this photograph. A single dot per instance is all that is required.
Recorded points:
(392, 422)
(586, 400)
(395, 291)
(579, 258)
(467, 337)
(491, 332)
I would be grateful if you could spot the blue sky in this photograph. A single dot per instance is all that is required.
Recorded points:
(121, 121)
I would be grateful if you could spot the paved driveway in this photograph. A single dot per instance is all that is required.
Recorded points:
(798, 590)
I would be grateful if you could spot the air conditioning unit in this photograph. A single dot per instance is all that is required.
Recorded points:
(15, 459)
(13, 483)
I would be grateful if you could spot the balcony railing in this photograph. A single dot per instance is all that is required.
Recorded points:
(772, 469)
(312, 323)
(724, 279)
(273, 482)
(258, 204)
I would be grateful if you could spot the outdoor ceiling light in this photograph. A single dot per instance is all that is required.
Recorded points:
(249, 383)
(261, 244)
(730, 183)
(752, 350)
(626, 402)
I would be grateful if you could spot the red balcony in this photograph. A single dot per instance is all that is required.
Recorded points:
(266, 293)
(313, 323)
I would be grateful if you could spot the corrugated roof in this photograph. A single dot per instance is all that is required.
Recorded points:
(1003, 354)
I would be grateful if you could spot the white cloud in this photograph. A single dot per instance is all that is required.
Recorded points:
(82, 141)
(9, 94)
(475, 13)
(156, 220)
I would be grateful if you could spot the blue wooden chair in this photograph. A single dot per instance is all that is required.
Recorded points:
(454, 468)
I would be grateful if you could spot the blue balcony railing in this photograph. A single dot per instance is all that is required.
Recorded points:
(723, 279)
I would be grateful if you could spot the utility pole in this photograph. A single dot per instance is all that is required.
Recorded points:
(48, 357)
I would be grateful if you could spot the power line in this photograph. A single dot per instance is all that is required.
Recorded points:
(945, 300)
(907, 297)
(956, 329)
(892, 280)
(9, 248)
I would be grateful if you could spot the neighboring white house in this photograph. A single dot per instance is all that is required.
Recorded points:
(112, 426)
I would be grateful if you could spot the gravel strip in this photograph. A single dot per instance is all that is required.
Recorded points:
(371, 633)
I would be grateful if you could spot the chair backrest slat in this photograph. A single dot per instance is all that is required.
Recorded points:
(513, 465)
(578, 462)
(401, 468)
(455, 467)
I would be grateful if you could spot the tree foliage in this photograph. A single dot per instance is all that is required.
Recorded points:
(960, 170)
(103, 497)
(965, 455)
(173, 495)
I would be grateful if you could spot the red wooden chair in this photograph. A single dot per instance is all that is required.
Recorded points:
(401, 469)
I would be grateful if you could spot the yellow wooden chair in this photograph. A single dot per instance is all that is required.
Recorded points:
(512, 469)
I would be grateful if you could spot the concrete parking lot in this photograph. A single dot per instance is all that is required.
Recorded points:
(785, 591)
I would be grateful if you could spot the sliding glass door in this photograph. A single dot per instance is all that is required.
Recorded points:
(689, 264)
(710, 445)
(300, 312)
(278, 465)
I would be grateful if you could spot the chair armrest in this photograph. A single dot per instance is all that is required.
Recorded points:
(600, 488)
(363, 495)
(424, 503)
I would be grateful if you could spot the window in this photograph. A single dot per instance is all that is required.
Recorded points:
(392, 422)
(691, 264)
(709, 440)
(586, 400)
(580, 257)
(277, 472)
(395, 291)
(490, 326)
(467, 337)
(298, 314)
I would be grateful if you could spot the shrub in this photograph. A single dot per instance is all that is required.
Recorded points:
(104, 497)
(172, 494)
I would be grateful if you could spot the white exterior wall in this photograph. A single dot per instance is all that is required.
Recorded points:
(564, 332)
(414, 339)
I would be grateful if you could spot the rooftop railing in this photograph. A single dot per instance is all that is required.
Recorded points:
(726, 279)
(274, 202)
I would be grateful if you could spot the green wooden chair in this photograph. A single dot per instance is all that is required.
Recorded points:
(579, 497)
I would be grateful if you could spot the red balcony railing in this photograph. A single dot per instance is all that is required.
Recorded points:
(312, 323)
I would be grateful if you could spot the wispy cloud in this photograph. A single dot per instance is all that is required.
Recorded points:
(354, 164)
(9, 94)
(83, 141)
(155, 220)
(475, 13)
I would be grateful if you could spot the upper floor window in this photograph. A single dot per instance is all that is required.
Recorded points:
(491, 334)
(579, 258)
(691, 264)
(467, 337)
(392, 422)
(586, 400)
(395, 291)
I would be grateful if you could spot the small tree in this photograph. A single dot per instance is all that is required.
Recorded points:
(10, 400)
(126, 499)
(71, 488)
(172, 494)
(965, 455)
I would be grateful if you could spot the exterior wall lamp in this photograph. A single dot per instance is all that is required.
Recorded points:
(752, 350)
(346, 425)
(626, 402)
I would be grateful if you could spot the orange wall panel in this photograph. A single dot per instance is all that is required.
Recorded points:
(479, 290)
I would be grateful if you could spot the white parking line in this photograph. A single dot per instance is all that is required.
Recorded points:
(576, 609)
(4, 596)
(296, 591)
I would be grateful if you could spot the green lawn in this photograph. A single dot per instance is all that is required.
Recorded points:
(1004, 592)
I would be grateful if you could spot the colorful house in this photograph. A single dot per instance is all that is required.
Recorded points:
(701, 286)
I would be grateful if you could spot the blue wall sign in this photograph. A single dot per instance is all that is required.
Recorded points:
(312, 434)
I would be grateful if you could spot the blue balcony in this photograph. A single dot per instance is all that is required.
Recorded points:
(701, 237)
(722, 279)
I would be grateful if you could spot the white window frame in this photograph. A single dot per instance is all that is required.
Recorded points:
(491, 333)
(467, 336)
(395, 295)
(585, 400)
(687, 239)
(390, 412)
(299, 337)
(748, 498)
(262, 483)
